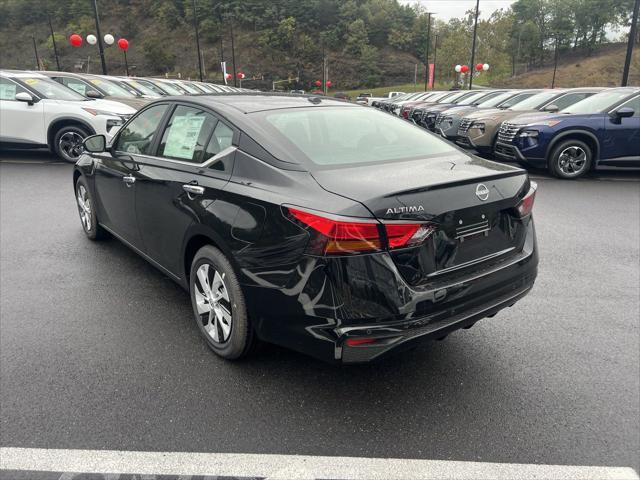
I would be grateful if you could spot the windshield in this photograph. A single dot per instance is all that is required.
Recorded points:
(536, 101)
(600, 102)
(345, 136)
(188, 88)
(496, 100)
(142, 88)
(150, 86)
(516, 99)
(111, 88)
(51, 89)
(170, 89)
(471, 98)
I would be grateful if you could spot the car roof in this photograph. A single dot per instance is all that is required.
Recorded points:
(21, 74)
(250, 102)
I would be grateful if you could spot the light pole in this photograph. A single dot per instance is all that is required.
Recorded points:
(632, 39)
(426, 62)
(195, 26)
(435, 53)
(53, 40)
(555, 65)
(473, 45)
(35, 49)
(100, 46)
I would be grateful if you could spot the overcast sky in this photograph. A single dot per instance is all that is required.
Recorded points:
(448, 9)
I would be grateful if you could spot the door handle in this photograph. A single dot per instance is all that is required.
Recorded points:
(129, 180)
(193, 189)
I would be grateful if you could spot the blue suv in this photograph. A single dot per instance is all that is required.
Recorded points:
(602, 130)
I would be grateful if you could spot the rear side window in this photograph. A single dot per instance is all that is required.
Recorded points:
(351, 135)
(137, 137)
(187, 134)
(222, 138)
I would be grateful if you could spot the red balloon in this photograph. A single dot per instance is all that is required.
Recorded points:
(329, 83)
(479, 67)
(240, 75)
(75, 40)
(464, 69)
(318, 83)
(123, 44)
(229, 75)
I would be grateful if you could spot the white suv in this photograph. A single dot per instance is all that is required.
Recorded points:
(37, 112)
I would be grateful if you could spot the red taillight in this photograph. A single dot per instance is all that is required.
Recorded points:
(407, 234)
(342, 237)
(354, 342)
(405, 112)
(526, 204)
(338, 236)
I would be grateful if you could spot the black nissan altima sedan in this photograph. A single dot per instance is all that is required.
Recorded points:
(319, 225)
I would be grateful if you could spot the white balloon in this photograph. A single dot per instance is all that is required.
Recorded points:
(109, 39)
(458, 68)
(485, 67)
(91, 39)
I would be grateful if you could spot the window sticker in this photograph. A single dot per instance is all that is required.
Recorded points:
(7, 91)
(32, 81)
(95, 81)
(183, 136)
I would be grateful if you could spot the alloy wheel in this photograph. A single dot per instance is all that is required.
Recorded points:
(70, 144)
(572, 161)
(84, 207)
(212, 300)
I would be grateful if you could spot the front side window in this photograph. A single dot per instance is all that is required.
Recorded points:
(633, 104)
(137, 136)
(349, 135)
(9, 89)
(187, 134)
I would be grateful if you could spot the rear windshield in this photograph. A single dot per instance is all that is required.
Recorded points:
(330, 136)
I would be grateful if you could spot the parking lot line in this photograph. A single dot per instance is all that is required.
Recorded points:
(274, 467)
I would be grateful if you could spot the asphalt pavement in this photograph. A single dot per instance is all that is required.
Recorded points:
(99, 350)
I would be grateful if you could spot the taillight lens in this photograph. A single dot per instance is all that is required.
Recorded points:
(335, 237)
(341, 237)
(407, 234)
(525, 206)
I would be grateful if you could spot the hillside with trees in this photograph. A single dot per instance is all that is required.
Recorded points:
(365, 43)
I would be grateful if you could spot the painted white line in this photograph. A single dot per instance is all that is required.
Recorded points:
(277, 467)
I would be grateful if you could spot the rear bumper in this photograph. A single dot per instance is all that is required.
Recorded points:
(325, 304)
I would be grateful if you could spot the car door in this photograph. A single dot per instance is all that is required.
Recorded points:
(116, 175)
(193, 163)
(20, 122)
(621, 143)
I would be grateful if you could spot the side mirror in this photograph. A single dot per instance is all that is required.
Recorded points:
(92, 94)
(624, 112)
(552, 108)
(25, 97)
(95, 143)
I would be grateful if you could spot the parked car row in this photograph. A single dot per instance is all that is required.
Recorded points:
(58, 110)
(567, 131)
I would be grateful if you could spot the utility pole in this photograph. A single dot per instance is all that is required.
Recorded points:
(53, 39)
(473, 46)
(195, 26)
(632, 39)
(435, 53)
(415, 78)
(35, 49)
(426, 62)
(233, 57)
(555, 65)
(324, 67)
(99, 35)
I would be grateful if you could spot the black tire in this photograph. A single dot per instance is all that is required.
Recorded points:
(87, 211)
(570, 159)
(67, 142)
(240, 339)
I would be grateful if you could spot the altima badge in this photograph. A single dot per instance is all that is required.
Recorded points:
(407, 209)
(482, 192)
